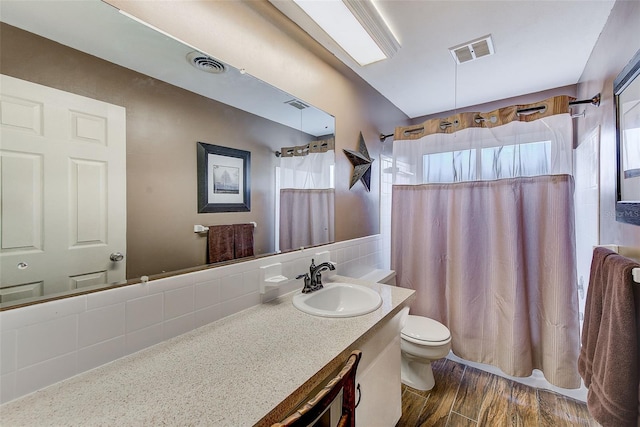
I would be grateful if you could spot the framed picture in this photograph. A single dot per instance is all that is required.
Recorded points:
(223, 179)
(626, 91)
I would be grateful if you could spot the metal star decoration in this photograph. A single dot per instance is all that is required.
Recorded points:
(361, 164)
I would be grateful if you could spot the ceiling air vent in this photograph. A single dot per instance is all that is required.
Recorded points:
(297, 104)
(472, 50)
(205, 63)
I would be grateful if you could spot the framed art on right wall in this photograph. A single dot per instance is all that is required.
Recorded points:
(626, 92)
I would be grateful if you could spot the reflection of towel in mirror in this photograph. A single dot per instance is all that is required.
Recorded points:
(221, 247)
(243, 240)
(608, 360)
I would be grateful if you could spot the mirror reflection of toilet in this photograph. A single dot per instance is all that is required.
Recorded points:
(423, 341)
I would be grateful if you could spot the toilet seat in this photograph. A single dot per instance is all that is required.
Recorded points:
(425, 331)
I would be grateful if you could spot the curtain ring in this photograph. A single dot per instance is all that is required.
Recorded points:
(413, 131)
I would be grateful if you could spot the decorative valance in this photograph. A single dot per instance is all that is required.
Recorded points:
(499, 117)
(321, 146)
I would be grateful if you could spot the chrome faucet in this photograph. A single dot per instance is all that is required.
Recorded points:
(313, 279)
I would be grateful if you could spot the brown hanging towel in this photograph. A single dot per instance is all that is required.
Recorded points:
(608, 361)
(221, 247)
(243, 237)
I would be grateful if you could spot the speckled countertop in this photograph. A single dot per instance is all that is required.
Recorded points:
(247, 369)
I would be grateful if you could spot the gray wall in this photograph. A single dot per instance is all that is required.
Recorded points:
(618, 42)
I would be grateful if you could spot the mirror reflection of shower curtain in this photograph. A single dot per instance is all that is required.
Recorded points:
(306, 200)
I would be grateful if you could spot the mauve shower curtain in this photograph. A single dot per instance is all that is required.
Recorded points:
(495, 262)
(306, 217)
(307, 198)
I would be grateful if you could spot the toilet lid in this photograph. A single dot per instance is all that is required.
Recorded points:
(425, 329)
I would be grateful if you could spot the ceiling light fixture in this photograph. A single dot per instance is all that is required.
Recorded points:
(146, 24)
(356, 25)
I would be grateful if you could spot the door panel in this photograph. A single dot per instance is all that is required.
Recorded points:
(22, 189)
(20, 292)
(21, 114)
(88, 128)
(87, 202)
(87, 280)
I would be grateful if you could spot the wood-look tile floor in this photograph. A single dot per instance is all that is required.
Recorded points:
(465, 396)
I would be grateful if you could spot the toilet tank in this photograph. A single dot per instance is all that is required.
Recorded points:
(387, 277)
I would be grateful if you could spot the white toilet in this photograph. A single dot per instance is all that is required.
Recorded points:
(423, 341)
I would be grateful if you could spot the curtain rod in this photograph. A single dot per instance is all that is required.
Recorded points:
(595, 100)
(383, 136)
(320, 146)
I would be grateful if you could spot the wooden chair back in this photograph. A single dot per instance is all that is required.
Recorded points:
(345, 380)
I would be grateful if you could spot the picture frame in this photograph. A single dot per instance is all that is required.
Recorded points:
(223, 179)
(626, 92)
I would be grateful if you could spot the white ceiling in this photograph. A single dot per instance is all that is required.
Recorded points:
(539, 45)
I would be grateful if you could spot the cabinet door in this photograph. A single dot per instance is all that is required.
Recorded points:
(380, 385)
(379, 376)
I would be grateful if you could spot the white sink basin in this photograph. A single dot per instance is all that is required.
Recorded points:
(338, 300)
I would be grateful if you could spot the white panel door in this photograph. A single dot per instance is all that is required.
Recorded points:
(62, 190)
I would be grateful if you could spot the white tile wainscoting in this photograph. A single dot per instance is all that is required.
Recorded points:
(46, 343)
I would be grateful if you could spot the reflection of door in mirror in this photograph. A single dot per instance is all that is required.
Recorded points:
(76, 145)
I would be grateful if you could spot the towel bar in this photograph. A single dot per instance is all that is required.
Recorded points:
(202, 229)
(635, 273)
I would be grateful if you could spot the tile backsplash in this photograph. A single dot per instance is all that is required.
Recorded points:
(46, 343)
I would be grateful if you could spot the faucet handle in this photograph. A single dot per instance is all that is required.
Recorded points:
(307, 282)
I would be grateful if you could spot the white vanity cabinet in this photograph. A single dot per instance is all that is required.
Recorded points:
(379, 376)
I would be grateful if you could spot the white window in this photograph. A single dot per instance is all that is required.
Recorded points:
(507, 161)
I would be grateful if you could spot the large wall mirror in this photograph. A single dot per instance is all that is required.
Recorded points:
(126, 87)
(626, 91)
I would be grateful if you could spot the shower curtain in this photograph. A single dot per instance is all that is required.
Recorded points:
(306, 208)
(483, 230)
(306, 217)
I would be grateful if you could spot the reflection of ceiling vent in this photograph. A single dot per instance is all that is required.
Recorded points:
(472, 50)
(205, 63)
(297, 104)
